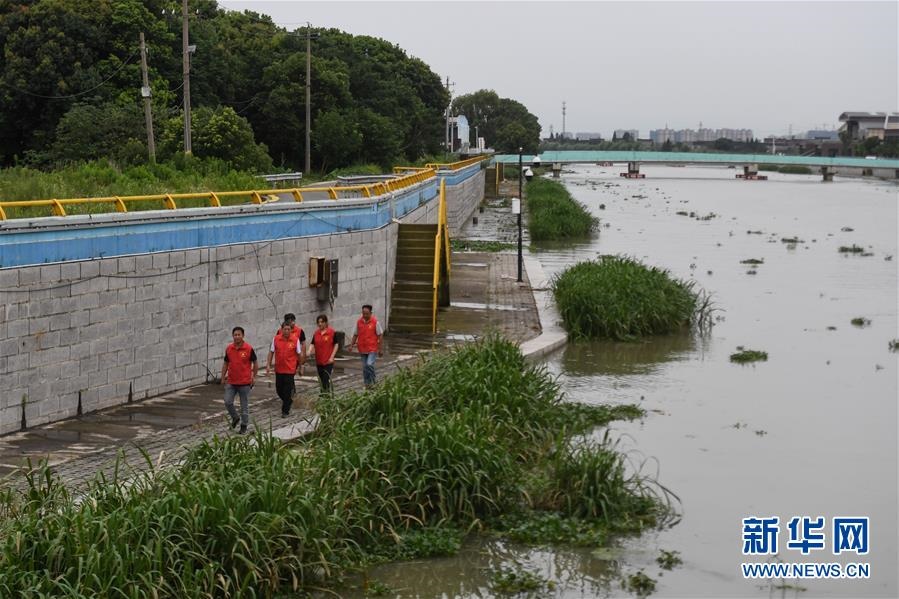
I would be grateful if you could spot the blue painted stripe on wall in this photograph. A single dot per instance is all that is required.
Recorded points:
(104, 241)
(456, 177)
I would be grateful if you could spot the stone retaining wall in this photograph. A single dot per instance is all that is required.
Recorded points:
(77, 336)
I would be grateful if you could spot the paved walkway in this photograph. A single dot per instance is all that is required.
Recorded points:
(485, 296)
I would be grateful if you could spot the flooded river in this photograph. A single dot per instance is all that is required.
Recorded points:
(811, 432)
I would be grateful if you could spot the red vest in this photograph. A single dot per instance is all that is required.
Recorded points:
(294, 332)
(367, 335)
(323, 341)
(240, 368)
(286, 357)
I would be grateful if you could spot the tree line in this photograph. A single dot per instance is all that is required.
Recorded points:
(70, 88)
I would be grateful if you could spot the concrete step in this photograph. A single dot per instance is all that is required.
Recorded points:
(417, 227)
(414, 271)
(410, 258)
(414, 247)
(405, 295)
(406, 312)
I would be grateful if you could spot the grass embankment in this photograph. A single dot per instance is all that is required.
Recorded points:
(104, 179)
(618, 297)
(553, 214)
(397, 472)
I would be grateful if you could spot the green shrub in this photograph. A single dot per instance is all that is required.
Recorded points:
(620, 298)
(553, 214)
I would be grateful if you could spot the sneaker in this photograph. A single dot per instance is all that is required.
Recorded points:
(234, 421)
(285, 414)
(243, 430)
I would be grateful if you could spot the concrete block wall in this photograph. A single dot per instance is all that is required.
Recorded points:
(103, 331)
(463, 201)
(99, 332)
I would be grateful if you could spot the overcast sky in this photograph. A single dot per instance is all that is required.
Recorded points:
(641, 65)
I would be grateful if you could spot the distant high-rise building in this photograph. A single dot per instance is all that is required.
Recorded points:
(633, 133)
(660, 136)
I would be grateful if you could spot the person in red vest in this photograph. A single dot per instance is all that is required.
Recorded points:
(368, 333)
(324, 347)
(289, 352)
(294, 329)
(238, 375)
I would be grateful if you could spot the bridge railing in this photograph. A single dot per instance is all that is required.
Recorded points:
(214, 199)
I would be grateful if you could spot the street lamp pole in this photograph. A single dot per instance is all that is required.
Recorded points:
(520, 199)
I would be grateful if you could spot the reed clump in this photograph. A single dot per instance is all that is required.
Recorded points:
(618, 297)
(399, 471)
(554, 214)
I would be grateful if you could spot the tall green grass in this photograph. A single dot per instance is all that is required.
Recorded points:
(618, 297)
(554, 215)
(394, 472)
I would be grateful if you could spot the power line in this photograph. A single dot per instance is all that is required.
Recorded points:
(81, 93)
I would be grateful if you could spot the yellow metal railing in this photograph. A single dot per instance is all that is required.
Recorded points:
(170, 201)
(454, 166)
(441, 244)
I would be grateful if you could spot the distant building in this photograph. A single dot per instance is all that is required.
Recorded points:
(660, 136)
(459, 133)
(822, 134)
(862, 125)
(632, 133)
(588, 136)
(685, 136)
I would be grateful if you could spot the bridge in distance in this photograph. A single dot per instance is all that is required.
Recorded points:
(749, 162)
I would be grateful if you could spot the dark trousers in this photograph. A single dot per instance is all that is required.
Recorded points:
(284, 385)
(324, 376)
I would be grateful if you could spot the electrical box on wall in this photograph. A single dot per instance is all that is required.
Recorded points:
(323, 275)
(316, 271)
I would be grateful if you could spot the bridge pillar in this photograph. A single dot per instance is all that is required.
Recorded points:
(633, 171)
(751, 173)
(827, 173)
(557, 170)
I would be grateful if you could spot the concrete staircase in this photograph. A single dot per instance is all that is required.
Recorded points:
(411, 307)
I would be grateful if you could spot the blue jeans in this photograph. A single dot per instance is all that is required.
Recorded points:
(368, 368)
(244, 392)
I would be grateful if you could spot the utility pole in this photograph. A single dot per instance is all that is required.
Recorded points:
(308, 163)
(185, 58)
(563, 120)
(148, 101)
(446, 137)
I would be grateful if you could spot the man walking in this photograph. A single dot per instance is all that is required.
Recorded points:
(289, 352)
(238, 375)
(325, 348)
(368, 333)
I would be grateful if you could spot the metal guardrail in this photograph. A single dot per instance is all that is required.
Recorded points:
(170, 201)
(405, 176)
(279, 177)
(454, 166)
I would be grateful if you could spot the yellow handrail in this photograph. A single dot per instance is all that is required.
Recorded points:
(454, 166)
(413, 176)
(437, 247)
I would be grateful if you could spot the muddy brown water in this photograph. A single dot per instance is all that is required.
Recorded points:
(811, 432)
